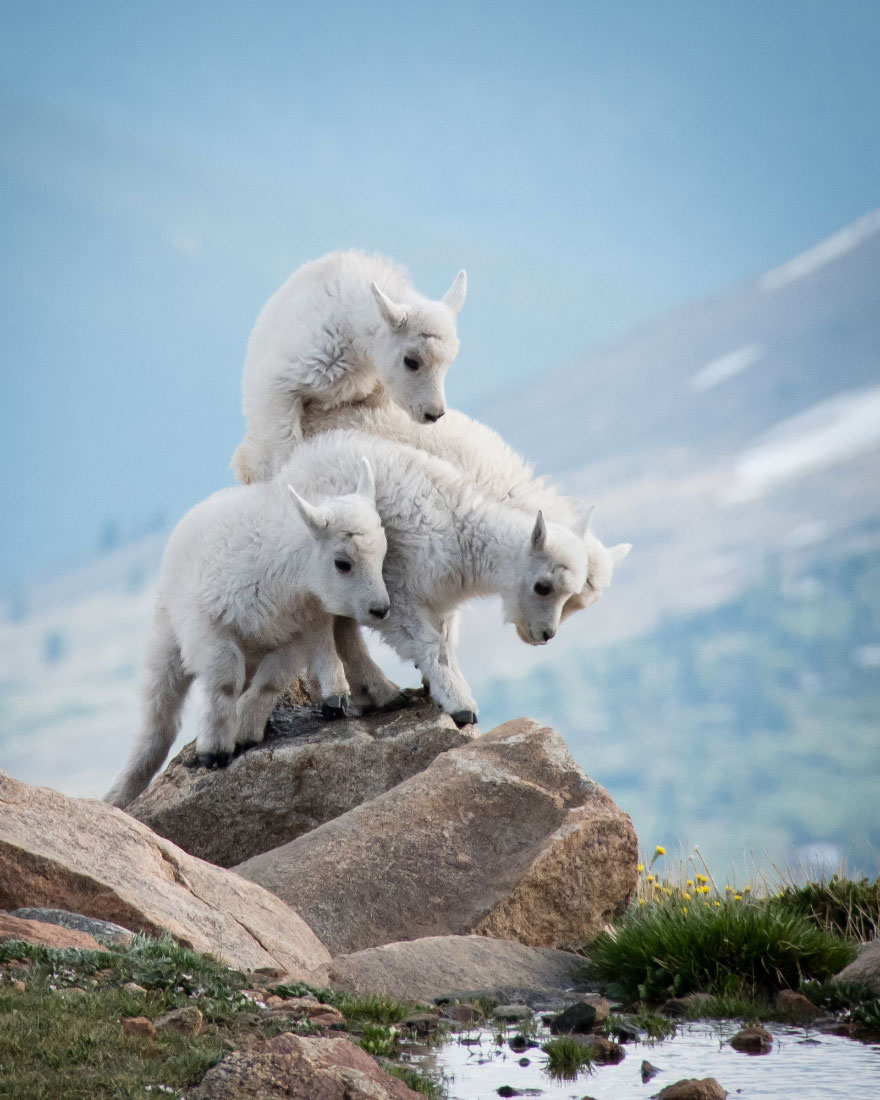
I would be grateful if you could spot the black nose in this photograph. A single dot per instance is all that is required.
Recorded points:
(380, 612)
(548, 634)
(432, 418)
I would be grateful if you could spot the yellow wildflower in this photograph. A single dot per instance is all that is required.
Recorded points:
(718, 903)
(641, 901)
(660, 850)
(737, 897)
(686, 896)
(690, 882)
(684, 909)
(649, 878)
(640, 868)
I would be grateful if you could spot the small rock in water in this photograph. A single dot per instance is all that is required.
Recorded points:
(578, 1019)
(465, 1014)
(604, 1050)
(422, 1023)
(692, 1088)
(508, 1090)
(524, 1062)
(625, 1032)
(512, 1012)
(752, 1040)
(797, 1006)
(519, 1043)
(648, 1071)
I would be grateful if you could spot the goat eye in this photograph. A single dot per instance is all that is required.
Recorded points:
(543, 589)
(343, 566)
(410, 363)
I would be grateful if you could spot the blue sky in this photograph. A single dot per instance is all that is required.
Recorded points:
(164, 167)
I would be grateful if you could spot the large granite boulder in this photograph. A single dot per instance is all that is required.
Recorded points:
(308, 771)
(90, 858)
(449, 966)
(296, 1068)
(505, 836)
(864, 970)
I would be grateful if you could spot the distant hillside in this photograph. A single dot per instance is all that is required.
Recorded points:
(726, 687)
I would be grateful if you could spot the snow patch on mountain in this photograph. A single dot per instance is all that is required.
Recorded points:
(828, 433)
(726, 366)
(823, 253)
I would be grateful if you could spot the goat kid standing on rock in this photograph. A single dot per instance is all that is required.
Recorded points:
(495, 468)
(249, 580)
(337, 329)
(447, 543)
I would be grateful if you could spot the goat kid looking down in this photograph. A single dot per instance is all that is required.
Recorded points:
(447, 543)
(497, 471)
(338, 328)
(249, 579)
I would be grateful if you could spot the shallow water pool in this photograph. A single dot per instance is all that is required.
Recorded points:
(803, 1065)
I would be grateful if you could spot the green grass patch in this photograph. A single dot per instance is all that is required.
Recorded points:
(375, 1009)
(849, 907)
(855, 1002)
(380, 1040)
(656, 1027)
(566, 1057)
(419, 1081)
(748, 948)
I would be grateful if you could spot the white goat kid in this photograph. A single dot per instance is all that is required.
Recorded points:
(446, 544)
(496, 470)
(248, 580)
(337, 329)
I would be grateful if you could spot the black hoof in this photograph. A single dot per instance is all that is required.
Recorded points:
(464, 718)
(243, 746)
(214, 759)
(335, 706)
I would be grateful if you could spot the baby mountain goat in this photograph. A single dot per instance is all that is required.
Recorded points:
(446, 544)
(249, 580)
(336, 330)
(495, 469)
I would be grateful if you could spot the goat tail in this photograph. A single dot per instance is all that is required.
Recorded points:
(165, 687)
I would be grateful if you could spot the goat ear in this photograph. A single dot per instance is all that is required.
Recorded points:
(394, 314)
(366, 486)
(619, 552)
(583, 525)
(454, 297)
(539, 532)
(312, 517)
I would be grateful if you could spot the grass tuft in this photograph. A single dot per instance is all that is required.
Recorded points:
(419, 1081)
(376, 1009)
(739, 947)
(566, 1057)
(849, 907)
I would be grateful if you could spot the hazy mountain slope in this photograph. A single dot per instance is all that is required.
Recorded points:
(736, 445)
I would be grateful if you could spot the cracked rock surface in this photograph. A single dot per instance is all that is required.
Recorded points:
(307, 772)
(83, 855)
(504, 836)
